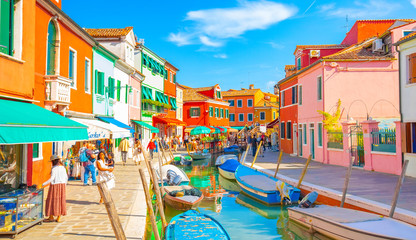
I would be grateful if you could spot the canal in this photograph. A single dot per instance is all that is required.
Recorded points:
(242, 216)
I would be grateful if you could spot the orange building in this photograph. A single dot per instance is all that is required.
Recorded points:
(63, 73)
(204, 107)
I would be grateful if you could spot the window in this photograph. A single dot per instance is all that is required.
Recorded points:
(9, 11)
(127, 94)
(232, 117)
(249, 117)
(218, 94)
(412, 69)
(195, 111)
(87, 79)
(282, 130)
(299, 63)
(119, 90)
(99, 82)
(211, 111)
(111, 83)
(174, 78)
(37, 151)
(282, 99)
(217, 112)
(249, 102)
(226, 113)
(222, 112)
(239, 103)
(231, 102)
(274, 115)
(410, 137)
(289, 130)
(319, 134)
(300, 95)
(241, 117)
(51, 49)
(294, 94)
(304, 135)
(262, 115)
(405, 33)
(319, 87)
(72, 68)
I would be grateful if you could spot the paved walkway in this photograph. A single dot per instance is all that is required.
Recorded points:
(374, 186)
(87, 219)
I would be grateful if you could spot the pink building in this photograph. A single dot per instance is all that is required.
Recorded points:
(135, 99)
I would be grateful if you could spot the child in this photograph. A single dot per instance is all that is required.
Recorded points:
(110, 159)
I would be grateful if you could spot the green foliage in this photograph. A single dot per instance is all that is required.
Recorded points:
(331, 121)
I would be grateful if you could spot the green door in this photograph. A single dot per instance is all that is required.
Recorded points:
(300, 141)
(51, 49)
(312, 130)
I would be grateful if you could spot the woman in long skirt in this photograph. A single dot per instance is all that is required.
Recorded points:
(105, 172)
(56, 200)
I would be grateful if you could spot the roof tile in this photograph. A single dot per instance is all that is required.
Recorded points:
(108, 32)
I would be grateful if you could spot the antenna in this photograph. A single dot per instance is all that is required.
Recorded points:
(141, 41)
(346, 23)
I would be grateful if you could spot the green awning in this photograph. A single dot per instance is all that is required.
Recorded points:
(149, 91)
(27, 123)
(238, 128)
(145, 93)
(146, 125)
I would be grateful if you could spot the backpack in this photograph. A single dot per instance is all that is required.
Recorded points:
(83, 156)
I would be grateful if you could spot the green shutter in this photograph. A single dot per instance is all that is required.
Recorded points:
(319, 82)
(300, 95)
(101, 83)
(226, 113)
(127, 93)
(222, 112)
(6, 26)
(111, 86)
(51, 49)
(211, 111)
(174, 78)
(118, 90)
(71, 66)
(35, 151)
(320, 134)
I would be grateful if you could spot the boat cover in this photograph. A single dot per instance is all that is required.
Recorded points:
(230, 165)
(260, 181)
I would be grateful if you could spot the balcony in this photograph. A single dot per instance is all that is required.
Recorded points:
(57, 92)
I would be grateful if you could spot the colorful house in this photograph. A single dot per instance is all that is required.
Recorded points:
(204, 107)
(179, 108)
(407, 48)
(267, 109)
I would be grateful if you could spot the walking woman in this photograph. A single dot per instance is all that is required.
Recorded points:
(105, 172)
(56, 200)
(151, 147)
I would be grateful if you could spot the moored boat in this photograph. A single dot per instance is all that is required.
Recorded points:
(182, 198)
(263, 187)
(194, 225)
(223, 158)
(228, 168)
(228, 184)
(232, 149)
(165, 168)
(343, 223)
(200, 156)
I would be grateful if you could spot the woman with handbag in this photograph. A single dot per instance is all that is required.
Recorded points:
(105, 173)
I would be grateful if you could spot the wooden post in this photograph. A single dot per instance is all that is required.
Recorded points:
(278, 163)
(347, 180)
(304, 171)
(162, 150)
(398, 187)
(159, 200)
(255, 157)
(245, 155)
(149, 205)
(164, 154)
(111, 211)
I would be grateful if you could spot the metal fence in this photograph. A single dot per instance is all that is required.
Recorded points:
(383, 140)
(335, 140)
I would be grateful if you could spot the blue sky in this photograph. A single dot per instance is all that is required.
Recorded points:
(234, 42)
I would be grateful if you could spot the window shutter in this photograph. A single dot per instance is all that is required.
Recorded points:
(6, 26)
(174, 78)
(412, 68)
(96, 76)
(35, 150)
(118, 90)
(226, 113)
(300, 95)
(101, 83)
(127, 93)
(319, 82)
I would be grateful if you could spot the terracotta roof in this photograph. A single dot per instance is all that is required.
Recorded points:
(289, 67)
(270, 94)
(323, 46)
(265, 103)
(108, 32)
(190, 94)
(203, 88)
(359, 51)
(385, 20)
(406, 38)
(242, 92)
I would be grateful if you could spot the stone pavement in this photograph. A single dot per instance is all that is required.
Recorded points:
(87, 219)
(374, 186)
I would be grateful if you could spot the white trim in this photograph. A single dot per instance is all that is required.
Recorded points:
(289, 105)
(58, 47)
(322, 85)
(251, 102)
(229, 117)
(383, 153)
(75, 67)
(289, 87)
(40, 156)
(248, 119)
(284, 125)
(213, 101)
(300, 86)
(322, 133)
(239, 117)
(241, 103)
(89, 76)
(335, 149)
(291, 131)
(18, 29)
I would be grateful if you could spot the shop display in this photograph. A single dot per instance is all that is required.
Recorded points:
(20, 209)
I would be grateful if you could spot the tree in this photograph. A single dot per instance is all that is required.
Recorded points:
(331, 121)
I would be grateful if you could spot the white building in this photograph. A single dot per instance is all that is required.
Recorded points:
(179, 109)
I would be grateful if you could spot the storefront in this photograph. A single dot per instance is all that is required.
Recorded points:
(144, 131)
(167, 126)
(22, 125)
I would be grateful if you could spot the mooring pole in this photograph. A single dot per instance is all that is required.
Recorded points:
(255, 157)
(278, 163)
(398, 187)
(149, 205)
(347, 180)
(304, 171)
(245, 155)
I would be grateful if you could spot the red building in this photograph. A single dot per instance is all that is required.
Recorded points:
(204, 107)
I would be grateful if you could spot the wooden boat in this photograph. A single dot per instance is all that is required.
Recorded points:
(223, 158)
(183, 203)
(182, 159)
(178, 171)
(262, 187)
(343, 223)
(267, 211)
(194, 225)
(228, 168)
(200, 156)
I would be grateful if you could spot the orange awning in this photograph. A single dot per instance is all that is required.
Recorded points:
(170, 121)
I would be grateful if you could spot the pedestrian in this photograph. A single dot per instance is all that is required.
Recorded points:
(263, 140)
(151, 147)
(110, 159)
(185, 139)
(124, 148)
(56, 200)
(105, 173)
(137, 153)
(175, 144)
(89, 167)
(253, 145)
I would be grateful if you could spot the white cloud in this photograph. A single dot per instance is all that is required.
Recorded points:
(270, 85)
(221, 55)
(361, 9)
(276, 45)
(223, 23)
(413, 2)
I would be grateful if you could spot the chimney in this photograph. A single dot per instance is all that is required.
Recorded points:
(251, 86)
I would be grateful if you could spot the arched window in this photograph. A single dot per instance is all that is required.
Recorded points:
(52, 49)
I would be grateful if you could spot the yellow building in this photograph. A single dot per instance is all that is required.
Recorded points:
(266, 109)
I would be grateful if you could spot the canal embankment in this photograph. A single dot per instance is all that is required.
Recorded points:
(370, 191)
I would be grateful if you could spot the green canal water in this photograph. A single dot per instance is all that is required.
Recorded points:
(242, 216)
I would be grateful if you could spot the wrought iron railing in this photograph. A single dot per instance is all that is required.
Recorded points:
(383, 140)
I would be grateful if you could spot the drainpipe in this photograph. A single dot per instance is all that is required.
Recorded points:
(400, 100)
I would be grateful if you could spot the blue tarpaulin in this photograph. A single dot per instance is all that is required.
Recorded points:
(230, 165)
(117, 123)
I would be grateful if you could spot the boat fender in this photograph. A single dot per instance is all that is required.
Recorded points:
(308, 200)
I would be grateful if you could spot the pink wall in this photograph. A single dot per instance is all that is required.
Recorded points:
(336, 157)
(397, 33)
(306, 60)
(134, 108)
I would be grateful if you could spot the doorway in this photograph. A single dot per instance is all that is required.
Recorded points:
(312, 136)
(295, 139)
(300, 140)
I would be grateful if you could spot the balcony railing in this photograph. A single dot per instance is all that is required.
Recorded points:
(57, 92)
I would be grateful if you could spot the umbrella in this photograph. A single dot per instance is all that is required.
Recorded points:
(200, 130)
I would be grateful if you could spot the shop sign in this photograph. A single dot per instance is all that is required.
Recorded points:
(97, 134)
